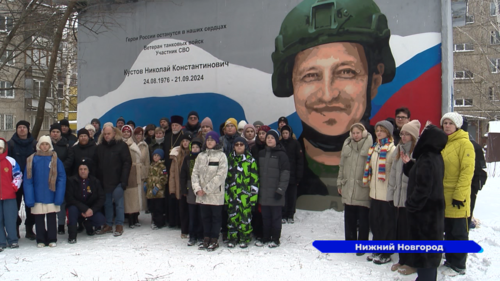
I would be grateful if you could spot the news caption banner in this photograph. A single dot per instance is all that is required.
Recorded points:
(342, 246)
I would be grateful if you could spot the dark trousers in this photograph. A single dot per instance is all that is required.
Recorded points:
(184, 214)
(353, 214)
(165, 207)
(456, 229)
(211, 216)
(156, 207)
(257, 223)
(402, 231)
(290, 201)
(195, 225)
(383, 221)
(473, 195)
(271, 218)
(426, 274)
(74, 215)
(30, 218)
(225, 217)
(48, 235)
(174, 217)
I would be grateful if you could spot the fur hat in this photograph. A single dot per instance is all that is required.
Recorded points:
(275, 134)
(386, 124)
(25, 123)
(242, 124)
(45, 139)
(456, 118)
(207, 122)
(412, 128)
(177, 119)
(83, 132)
(90, 127)
(231, 121)
(213, 135)
(55, 126)
(160, 152)
(258, 123)
(64, 122)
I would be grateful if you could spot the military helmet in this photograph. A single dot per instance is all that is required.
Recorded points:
(316, 22)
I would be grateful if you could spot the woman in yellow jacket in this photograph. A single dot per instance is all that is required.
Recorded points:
(459, 157)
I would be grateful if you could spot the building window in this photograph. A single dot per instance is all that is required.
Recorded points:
(5, 57)
(6, 90)
(6, 122)
(494, 65)
(458, 75)
(495, 38)
(37, 89)
(6, 23)
(463, 102)
(491, 94)
(464, 47)
(60, 90)
(40, 57)
(469, 19)
(494, 11)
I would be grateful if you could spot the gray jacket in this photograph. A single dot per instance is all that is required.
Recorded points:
(351, 169)
(274, 175)
(209, 174)
(398, 182)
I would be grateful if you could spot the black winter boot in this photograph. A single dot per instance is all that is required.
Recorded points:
(80, 227)
(88, 227)
(131, 221)
(60, 229)
(72, 232)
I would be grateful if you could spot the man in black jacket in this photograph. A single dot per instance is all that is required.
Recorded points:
(84, 198)
(67, 133)
(113, 163)
(21, 146)
(294, 153)
(85, 148)
(193, 125)
(61, 147)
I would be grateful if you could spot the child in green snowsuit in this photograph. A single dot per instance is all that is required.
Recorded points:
(242, 187)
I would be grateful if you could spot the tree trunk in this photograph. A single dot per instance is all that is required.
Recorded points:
(50, 73)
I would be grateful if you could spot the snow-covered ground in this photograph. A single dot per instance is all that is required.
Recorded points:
(144, 254)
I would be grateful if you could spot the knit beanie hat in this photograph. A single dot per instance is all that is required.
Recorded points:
(90, 127)
(193, 113)
(242, 124)
(45, 139)
(160, 152)
(249, 126)
(25, 123)
(283, 119)
(243, 140)
(127, 128)
(386, 124)
(231, 121)
(213, 135)
(64, 122)
(177, 119)
(55, 126)
(120, 119)
(454, 117)
(286, 128)
(83, 132)
(264, 128)
(196, 141)
(258, 123)
(207, 122)
(166, 119)
(87, 162)
(275, 134)
(412, 128)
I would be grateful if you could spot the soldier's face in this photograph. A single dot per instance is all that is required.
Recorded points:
(329, 86)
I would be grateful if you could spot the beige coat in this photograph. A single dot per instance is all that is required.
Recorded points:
(174, 185)
(378, 188)
(145, 160)
(134, 192)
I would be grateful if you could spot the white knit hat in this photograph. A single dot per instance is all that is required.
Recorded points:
(456, 118)
(45, 139)
(89, 127)
(242, 124)
(412, 127)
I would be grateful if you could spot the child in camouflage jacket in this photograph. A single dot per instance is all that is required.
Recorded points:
(155, 188)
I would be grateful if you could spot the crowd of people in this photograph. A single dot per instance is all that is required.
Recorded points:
(240, 182)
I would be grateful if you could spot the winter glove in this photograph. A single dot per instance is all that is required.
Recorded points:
(155, 190)
(458, 204)
(145, 188)
(277, 196)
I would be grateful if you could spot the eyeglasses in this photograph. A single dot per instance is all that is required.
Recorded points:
(239, 144)
(404, 135)
(401, 117)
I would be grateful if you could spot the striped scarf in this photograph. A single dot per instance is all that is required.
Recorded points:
(384, 143)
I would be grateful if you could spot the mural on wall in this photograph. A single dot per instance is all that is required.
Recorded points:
(324, 64)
